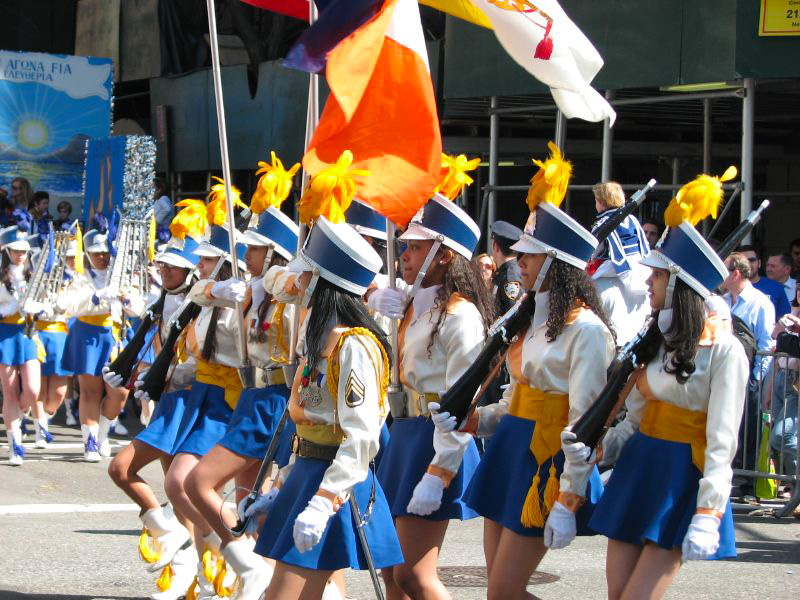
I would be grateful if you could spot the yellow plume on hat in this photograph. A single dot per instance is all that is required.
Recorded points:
(216, 211)
(274, 186)
(454, 174)
(78, 250)
(192, 220)
(697, 199)
(331, 191)
(550, 182)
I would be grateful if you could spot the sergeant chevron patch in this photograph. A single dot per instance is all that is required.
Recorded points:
(353, 391)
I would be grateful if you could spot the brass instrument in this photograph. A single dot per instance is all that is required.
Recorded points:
(45, 283)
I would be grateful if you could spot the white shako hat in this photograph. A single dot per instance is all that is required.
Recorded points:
(274, 229)
(95, 241)
(366, 220)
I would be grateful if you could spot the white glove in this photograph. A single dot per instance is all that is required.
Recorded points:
(574, 451)
(111, 378)
(284, 288)
(269, 280)
(311, 523)
(143, 396)
(427, 496)
(107, 293)
(260, 505)
(389, 302)
(231, 289)
(443, 421)
(702, 538)
(560, 528)
(38, 309)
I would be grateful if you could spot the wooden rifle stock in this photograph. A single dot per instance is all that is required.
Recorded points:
(127, 360)
(155, 379)
(459, 399)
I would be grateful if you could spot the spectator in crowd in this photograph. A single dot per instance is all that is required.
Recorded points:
(794, 252)
(63, 222)
(754, 310)
(38, 211)
(21, 193)
(771, 288)
(779, 268)
(162, 209)
(652, 231)
(486, 265)
(507, 278)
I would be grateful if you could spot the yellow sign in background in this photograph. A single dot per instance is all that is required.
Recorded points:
(779, 17)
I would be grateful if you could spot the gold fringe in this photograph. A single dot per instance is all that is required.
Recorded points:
(165, 579)
(208, 564)
(551, 489)
(532, 509)
(146, 552)
(219, 581)
(191, 593)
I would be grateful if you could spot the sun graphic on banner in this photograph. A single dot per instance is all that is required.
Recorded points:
(32, 134)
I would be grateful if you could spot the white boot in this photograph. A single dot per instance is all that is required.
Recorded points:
(184, 569)
(332, 592)
(253, 571)
(102, 437)
(117, 428)
(43, 437)
(15, 450)
(90, 448)
(205, 587)
(168, 533)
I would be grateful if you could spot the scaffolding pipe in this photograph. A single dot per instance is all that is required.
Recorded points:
(706, 146)
(494, 135)
(587, 187)
(748, 117)
(608, 140)
(677, 97)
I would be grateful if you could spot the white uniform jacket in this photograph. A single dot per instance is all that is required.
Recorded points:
(427, 368)
(227, 330)
(574, 364)
(9, 301)
(76, 300)
(358, 410)
(717, 387)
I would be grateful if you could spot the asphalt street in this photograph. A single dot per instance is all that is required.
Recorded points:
(69, 534)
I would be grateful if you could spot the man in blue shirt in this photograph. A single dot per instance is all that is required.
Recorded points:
(771, 288)
(755, 309)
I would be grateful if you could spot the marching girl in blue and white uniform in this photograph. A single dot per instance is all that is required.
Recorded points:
(254, 421)
(523, 488)
(211, 340)
(94, 338)
(176, 264)
(425, 473)
(19, 357)
(683, 417)
(338, 405)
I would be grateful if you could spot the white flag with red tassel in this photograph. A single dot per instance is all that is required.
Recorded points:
(544, 41)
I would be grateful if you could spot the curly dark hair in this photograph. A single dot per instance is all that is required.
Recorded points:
(568, 286)
(463, 277)
(683, 336)
(5, 276)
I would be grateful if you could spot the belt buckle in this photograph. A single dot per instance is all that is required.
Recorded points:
(295, 444)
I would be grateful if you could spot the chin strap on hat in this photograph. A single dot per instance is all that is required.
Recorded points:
(268, 259)
(310, 289)
(673, 277)
(543, 271)
(426, 265)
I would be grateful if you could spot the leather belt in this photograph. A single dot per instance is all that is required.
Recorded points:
(416, 405)
(266, 377)
(307, 449)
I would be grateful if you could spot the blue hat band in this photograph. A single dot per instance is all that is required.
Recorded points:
(362, 215)
(682, 250)
(555, 233)
(330, 257)
(219, 239)
(437, 218)
(271, 227)
(187, 252)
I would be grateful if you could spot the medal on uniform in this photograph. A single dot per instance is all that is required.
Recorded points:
(310, 395)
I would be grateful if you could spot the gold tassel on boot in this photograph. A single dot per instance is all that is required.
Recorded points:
(146, 551)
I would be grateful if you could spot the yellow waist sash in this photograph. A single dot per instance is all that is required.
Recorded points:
(99, 320)
(325, 435)
(51, 326)
(551, 413)
(225, 377)
(675, 424)
(15, 319)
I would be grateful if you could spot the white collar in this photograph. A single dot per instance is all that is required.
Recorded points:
(17, 272)
(424, 299)
(542, 312)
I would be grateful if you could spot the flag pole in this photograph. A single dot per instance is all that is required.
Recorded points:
(245, 373)
(395, 393)
(312, 120)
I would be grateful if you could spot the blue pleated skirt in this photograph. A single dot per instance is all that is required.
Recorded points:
(15, 347)
(205, 419)
(652, 496)
(285, 444)
(254, 421)
(405, 460)
(87, 349)
(54, 343)
(501, 483)
(339, 547)
(164, 427)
